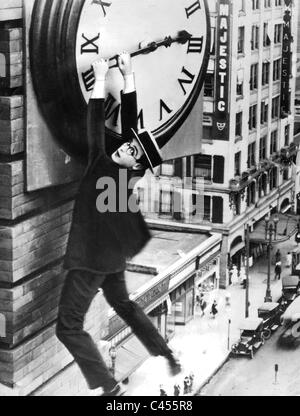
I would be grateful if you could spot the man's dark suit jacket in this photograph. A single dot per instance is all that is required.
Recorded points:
(102, 242)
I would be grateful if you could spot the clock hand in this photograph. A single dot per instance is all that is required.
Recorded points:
(182, 37)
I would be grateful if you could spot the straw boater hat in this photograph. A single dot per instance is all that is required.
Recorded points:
(150, 148)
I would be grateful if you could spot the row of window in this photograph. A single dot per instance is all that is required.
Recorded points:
(257, 4)
(210, 83)
(264, 111)
(251, 161)
(278, 30)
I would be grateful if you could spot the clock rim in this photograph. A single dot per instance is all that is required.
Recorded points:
(67, 114)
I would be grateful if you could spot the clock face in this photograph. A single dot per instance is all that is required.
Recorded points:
(167, 78)
(67, 36)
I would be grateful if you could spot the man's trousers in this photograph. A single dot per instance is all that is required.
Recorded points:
(79, 289)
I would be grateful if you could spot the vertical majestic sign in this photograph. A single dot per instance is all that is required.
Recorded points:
(221, 119)
(286, 59)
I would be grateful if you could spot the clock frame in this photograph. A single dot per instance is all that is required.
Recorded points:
(52, 45)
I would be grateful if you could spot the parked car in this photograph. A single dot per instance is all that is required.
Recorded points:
(271, 313)
(291, 322)
(290, 285)
(251, 337)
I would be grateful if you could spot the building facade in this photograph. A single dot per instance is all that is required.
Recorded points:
(247, 144)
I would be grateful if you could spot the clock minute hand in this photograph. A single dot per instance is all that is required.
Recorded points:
(182, 38)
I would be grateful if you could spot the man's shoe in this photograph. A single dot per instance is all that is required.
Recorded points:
(116, 391)
(174, 365)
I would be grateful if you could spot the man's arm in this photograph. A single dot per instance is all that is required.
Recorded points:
(96, 112)
(128, 98)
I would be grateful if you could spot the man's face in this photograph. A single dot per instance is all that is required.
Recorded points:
(128, 154)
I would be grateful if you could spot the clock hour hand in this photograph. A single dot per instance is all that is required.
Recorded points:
(182, 37)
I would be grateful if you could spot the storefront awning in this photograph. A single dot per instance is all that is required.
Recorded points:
(235, 249)
(130, 356)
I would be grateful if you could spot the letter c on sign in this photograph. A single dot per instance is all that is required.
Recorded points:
(295, 330)
(221, 106)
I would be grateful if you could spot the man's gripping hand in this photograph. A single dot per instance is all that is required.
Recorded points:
(125, 66)
(100, 68)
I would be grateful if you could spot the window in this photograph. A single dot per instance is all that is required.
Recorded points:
(276, 69)
(266, 38)
(273, 178)
(267, 4)
(241, 5)
(203, 167)
(238, 124)
(255, 38)
(253, 76)
(287, 135)
(213, 209)
(167, 168)
(264, 113)
(207, 202)
(251, 155)
(273, 142)
(278, 33)
(265, 73)
(285, 174)
(278, 3)
(209, 85)
(253, 117)
(237, 164)
(263, 148)
(275, 107)
(241, 39)
(165, 202)
(255, 4)
(240, 82)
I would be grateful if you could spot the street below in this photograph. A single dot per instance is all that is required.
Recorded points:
(242, 376)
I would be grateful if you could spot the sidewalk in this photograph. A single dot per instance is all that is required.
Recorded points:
(202, 344)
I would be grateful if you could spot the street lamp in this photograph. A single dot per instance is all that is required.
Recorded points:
(270, 230)
(113, 356)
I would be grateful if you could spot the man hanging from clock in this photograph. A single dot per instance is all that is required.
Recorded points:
(101, 242)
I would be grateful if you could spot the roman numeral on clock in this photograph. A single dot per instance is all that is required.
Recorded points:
(188, 80)
(140, 119)
(195, 45)
(88, 79)
(192, 9)
(112, 109)
(163, 107)
(103, 4)
(90, 46)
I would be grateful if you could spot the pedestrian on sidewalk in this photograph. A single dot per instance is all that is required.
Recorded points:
(162, 391)
(288, 262)
(277, 271)
(176, 390)
(203, 304)
(277, 256)
(186, 385)
(214, 309)
(191, 377)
